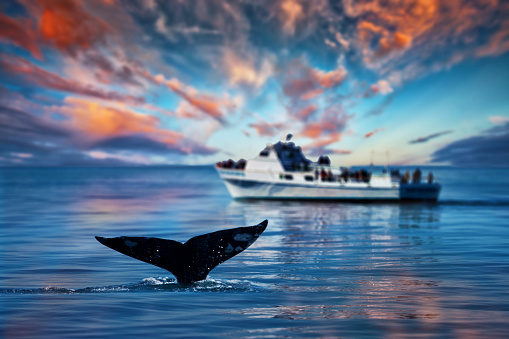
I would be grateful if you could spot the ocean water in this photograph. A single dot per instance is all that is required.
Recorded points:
(321, 269)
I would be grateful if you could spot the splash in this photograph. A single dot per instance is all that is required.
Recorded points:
(151, 284)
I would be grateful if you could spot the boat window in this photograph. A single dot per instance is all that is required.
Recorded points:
(264, 153)
(309, 178)
(288, 177)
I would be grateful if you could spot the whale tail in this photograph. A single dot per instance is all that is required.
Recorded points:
(193, 260)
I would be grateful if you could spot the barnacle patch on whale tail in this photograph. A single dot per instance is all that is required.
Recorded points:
(193, 260)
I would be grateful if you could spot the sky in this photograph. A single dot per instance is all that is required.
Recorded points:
(125, 82)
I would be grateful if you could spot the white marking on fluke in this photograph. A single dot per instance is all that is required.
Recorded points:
(228, 248)
(242, 237)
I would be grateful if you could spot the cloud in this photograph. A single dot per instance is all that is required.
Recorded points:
(82, 127)
(291, 12)
(305, 113)
(332, 121)
(328, 129)
(429, 137)
(185, 22)
(108, 71)
(489, 149)
(95, 124)
(95, 121)
(302, 82)
(38, 138)
(210, 105)
(319, 146)
(20, 33)
(34, 75)
(373, 132)
(402, 40)
(498, 119)
(317, 151)
(379, 109)
(268, 129)
(381, 87)
(143, 144)
(245, 70)
(342, 41)
(69, 26)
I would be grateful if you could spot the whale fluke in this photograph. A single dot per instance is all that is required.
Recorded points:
(193, 260)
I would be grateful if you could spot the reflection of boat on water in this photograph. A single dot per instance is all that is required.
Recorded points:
(281, 171)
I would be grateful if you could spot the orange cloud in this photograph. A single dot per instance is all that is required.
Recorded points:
(394, 42)
(312, 130)
(461, 28)
(387, 41)
(332, 123)
(332, 78)
(96, 124)
(67, 25)
(97, 121)
(375, 131)
(20, 34)
(291, 12)
(243, 71)
(318, 147)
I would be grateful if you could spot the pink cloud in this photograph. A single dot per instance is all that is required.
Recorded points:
(268, 129)
(34, 75)
(205, 103)
(307, 111)
(302, 82)
(496, 119)
(373, 132)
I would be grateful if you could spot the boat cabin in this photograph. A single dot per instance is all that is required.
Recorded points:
(291, 157)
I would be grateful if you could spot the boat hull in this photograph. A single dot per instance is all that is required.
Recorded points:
(251, 189)
(245, 185)
(419, 192)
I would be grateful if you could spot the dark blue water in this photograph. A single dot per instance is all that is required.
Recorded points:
(319, 270)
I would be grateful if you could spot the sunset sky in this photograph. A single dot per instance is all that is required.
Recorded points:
(121, 82)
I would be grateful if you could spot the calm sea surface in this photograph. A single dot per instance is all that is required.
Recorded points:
(319, 270)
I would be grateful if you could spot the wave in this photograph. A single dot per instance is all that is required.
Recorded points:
(148, 284)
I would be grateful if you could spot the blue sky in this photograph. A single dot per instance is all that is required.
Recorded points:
(124, 82)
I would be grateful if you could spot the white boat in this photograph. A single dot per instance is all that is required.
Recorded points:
(281, 171)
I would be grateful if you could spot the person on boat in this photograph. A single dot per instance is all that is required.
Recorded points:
(323, 175)
(430, 178)
(406, 178)
(416, 177)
